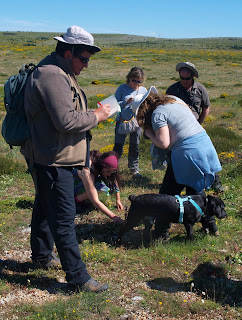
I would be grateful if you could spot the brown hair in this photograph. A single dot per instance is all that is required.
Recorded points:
(135, 72)
(148, 106)
(97, 161)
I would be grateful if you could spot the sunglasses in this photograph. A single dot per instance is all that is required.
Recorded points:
(83, 59)
(108, 171)
(182, 78)
(136, 81)
(112, 172)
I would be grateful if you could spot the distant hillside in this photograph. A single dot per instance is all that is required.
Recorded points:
(139, 41)
(110, 40)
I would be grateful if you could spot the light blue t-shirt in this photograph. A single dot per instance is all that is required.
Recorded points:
(180, 120)
(194, 158)
(122, 94)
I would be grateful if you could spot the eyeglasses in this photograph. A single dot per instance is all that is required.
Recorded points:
(182, 78)
(136, 81)
(83, 59)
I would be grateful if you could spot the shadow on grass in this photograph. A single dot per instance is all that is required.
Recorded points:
(25, 204)
(210, 281)
(143, 182)
(108, 232)
(20, 273)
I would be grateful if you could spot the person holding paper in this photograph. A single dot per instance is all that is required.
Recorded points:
(101, 177)
(125, 94)
(60, 140)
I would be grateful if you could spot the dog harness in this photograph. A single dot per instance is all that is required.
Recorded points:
(181, 200)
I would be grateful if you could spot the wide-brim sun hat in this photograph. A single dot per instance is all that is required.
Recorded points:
(76, 35)
(141, 98)
(187, 65)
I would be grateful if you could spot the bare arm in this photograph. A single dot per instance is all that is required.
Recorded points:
(161, 137)
(204, 114)
(88, 180)
(118, 202)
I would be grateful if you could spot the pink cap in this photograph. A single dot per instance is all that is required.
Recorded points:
(110, 162)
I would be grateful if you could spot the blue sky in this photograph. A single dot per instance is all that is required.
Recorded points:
(158, 18)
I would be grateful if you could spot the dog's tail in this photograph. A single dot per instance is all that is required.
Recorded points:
(132, 197)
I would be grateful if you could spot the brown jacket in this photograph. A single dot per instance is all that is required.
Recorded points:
(56, 110)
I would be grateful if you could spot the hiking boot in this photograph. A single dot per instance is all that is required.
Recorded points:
(137, 175)
(54, 263)
(90, 286)
(215, 233)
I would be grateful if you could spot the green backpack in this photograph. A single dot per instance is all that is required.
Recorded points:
(15, 129)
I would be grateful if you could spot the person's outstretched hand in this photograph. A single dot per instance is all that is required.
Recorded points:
(120, 206)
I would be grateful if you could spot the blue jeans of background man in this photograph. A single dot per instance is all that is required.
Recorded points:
(53, 221)
(134, 140)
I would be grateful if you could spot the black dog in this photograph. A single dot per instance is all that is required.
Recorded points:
(165, 209)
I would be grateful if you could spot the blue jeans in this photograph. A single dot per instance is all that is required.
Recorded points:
(134, 140)
(53, 221)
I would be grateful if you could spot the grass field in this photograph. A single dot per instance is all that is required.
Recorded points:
(174, 280)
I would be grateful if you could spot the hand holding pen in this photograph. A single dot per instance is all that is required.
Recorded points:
(102, 112)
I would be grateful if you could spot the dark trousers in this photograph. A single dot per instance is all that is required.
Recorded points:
(53, 221)
(134, 140)
(171, 187)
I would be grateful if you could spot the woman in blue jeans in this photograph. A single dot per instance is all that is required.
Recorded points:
(125, 94)
(170, 124)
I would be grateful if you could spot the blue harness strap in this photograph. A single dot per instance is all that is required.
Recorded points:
(181, 200)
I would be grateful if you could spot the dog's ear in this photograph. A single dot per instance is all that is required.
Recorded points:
(216, 207)
(131, 197)
(211, 205)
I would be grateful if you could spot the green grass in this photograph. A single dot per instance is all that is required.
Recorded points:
(170, 279)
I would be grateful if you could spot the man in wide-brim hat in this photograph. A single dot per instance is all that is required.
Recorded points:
(56, 110)
(190, 91)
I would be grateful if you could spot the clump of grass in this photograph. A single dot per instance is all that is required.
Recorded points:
(228, 115)
(208, 84)
(203, 305)
(92, 101)
(224, 95)
(224, 140)
(11, 166)
(96, 82)
(236, 171)
(240, 102)
(4, 287)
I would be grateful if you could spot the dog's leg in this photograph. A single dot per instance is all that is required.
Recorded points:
(147, 233)
(162, 229)
(131, 222)
(189, 229)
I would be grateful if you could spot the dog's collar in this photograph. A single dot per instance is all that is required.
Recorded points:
(181, 200)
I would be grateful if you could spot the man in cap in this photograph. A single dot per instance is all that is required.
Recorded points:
(190, 91)
(56, 109)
